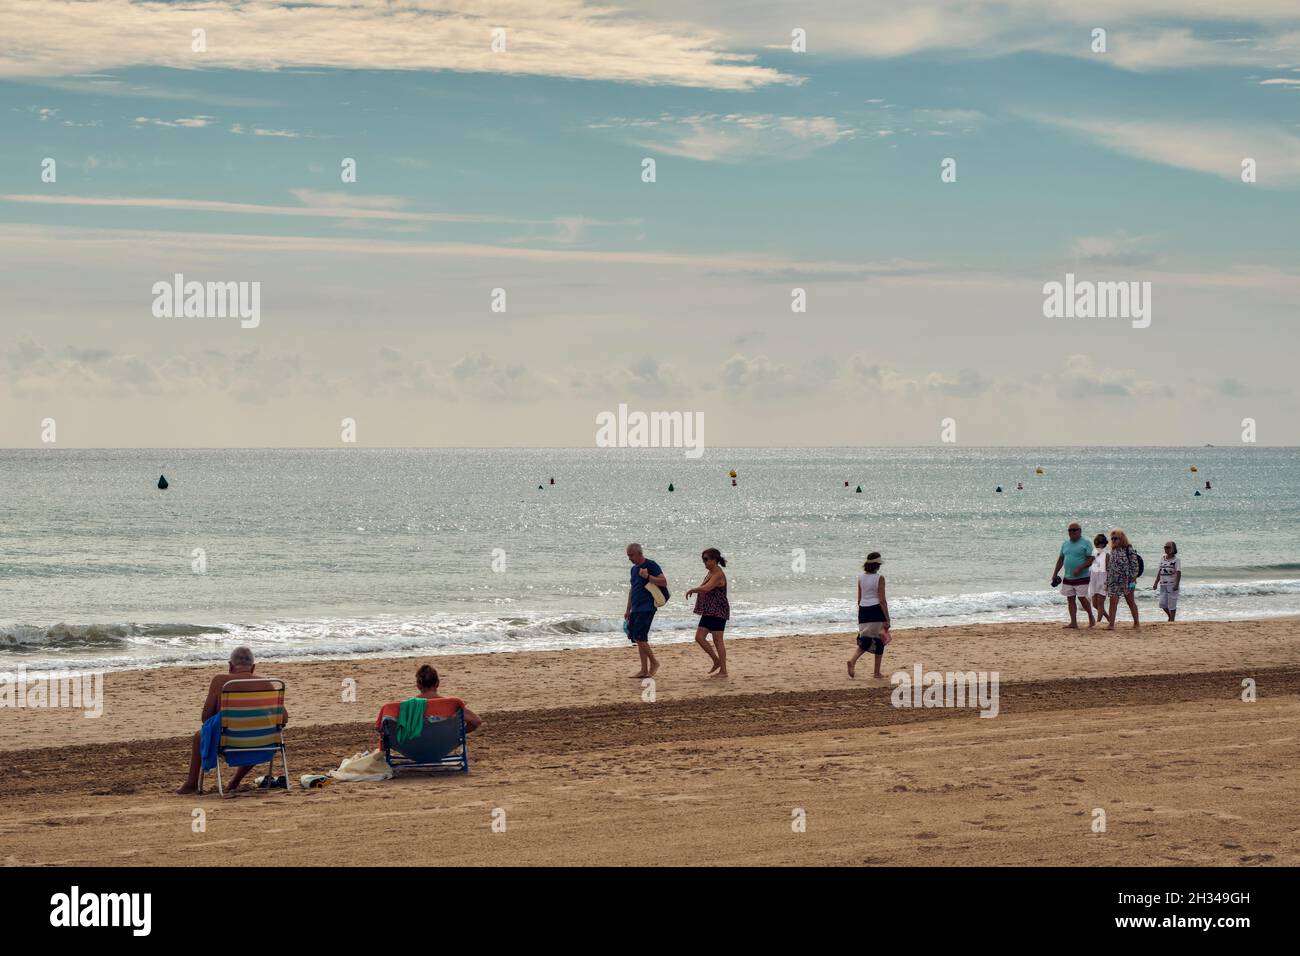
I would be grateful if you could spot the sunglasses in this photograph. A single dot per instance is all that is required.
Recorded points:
(1074, 530)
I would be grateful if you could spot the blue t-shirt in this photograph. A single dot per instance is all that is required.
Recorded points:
(1075, 553)
(642, 602)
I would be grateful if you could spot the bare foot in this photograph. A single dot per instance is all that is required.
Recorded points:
(716, 665)
(654, 669)
(1091, 625)
(641, 676)
(1071, 627)
(878, 676)
(1111, 627)
(187, 789)
(851, 674)
(722, 673)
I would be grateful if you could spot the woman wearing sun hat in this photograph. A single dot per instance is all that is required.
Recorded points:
(873, 613)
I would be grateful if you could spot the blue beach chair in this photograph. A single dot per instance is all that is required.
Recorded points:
(440, 746)
(252, 726)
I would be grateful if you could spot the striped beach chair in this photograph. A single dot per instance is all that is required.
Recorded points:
(252, 725)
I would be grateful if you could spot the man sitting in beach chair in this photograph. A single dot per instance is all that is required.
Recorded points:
(241, 669)
(428, 731)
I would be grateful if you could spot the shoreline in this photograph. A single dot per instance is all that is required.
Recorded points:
(172, 695)
(660, 638)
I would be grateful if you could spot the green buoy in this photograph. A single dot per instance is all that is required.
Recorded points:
(670, 486)
(859, 491)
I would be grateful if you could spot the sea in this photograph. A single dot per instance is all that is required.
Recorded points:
(333, 553)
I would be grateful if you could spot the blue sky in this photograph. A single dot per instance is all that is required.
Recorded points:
(775, 169)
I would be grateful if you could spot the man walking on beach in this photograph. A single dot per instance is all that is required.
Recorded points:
(1074, 562)
(641, 606)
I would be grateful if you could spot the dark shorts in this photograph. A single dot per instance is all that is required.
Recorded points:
(714, 625)
(638, 626)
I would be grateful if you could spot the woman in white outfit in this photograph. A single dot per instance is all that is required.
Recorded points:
(1097, 578)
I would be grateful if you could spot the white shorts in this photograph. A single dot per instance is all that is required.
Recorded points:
(1168, 599)
(1097, 585)
(1075, 590)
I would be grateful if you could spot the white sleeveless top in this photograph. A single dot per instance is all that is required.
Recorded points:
(870, 584)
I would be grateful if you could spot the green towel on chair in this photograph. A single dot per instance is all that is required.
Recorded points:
(410, 719)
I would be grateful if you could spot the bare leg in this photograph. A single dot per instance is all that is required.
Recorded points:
(1074, 612)
(702, 639)
(879, 657)
(1087, 606)
(1099, 604)
(722, 654)
(1114, 604)
(854, 660)
(192, 779)
(650, 656)
(235, 781)
(640, 651)
(1133, 608)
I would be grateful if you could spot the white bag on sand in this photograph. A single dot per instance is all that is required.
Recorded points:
(367, 765)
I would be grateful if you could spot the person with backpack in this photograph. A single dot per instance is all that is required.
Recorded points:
(1123, 568)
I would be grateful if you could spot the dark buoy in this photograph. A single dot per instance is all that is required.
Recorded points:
(1207, 485)
(162, 482)
(846, 484)
(998, 489)
(1019, 486)
(859, 491)
(552, 481)
(539, 487)
(1197, 495)
(670, 486)
(733, 482)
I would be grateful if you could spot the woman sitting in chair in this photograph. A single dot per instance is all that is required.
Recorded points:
(435, 704)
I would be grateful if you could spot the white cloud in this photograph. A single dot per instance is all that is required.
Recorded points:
(567, 38)
(184, 122)
(734, 137)
(1217, 149)
(1083, 379)
(1142, 34)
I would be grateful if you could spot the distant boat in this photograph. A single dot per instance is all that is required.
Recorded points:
(162, 482)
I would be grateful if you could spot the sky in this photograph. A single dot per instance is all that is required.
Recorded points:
(132, 151)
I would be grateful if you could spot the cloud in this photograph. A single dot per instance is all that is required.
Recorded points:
(760, 377)
(1081, 380)
(240, 130)
(1142, 34)
(1119, 249)
(184, 122)
(968, 383)
(315, 205)
(1217, 149)
(563, 38)
(734, 137)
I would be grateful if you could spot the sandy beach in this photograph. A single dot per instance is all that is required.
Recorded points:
(787, 762)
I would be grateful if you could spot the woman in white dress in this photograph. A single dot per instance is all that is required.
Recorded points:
(1097, 578)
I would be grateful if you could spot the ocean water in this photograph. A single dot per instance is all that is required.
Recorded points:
(334, 552)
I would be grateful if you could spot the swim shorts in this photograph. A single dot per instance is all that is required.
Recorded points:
(638, 626)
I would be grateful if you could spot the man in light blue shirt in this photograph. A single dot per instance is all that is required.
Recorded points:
(1072, 572)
